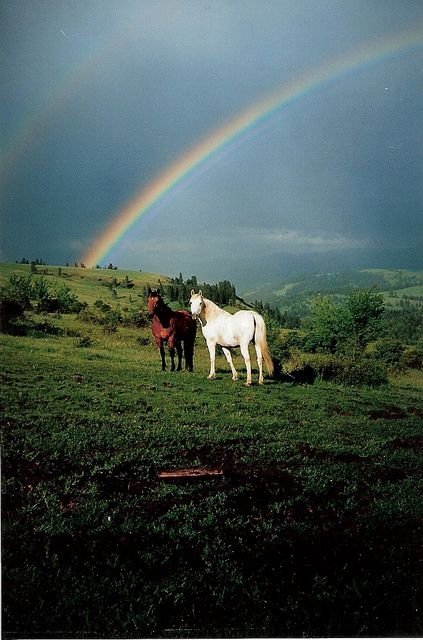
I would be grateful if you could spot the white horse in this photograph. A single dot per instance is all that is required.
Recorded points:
(227, 330)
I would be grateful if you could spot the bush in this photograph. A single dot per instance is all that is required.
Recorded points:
(110, 317)
(325, 327)
(9, 310)
(41, 329)
(308, 367)
(102, 314)
(20, 290)
(390, 352)
(67, 301)
(50, 297)
(111, 321)
(364, 371)
(282, 344)
(95, 314)
(84, 342)
(413, 358)
(134, 317)
(278, 343)
(299, 369)
(344, 328)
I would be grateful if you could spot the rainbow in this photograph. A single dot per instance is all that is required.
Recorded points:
(236, 129)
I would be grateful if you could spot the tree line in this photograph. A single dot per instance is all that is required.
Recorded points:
(179, 290)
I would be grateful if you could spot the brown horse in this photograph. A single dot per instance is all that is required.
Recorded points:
(173, 327)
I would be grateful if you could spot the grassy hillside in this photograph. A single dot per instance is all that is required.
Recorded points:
(88, 284)
(396, 285)
(308, 524)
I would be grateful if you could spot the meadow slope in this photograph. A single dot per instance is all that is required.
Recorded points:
(311, 525)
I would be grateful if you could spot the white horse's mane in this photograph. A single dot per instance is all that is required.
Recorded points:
(211, 309)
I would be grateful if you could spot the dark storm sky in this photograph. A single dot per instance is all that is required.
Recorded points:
(99, 97)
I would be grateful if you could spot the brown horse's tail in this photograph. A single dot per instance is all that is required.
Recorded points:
(260, 339)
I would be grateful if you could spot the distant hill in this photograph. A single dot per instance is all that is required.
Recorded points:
(399, 286)
(277, 267)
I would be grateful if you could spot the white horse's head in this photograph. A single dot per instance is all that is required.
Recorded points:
(196, 303)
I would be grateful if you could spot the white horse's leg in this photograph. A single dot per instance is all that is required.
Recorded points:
(259, 362)
(212, 350)
(228, 357)
(246, 355)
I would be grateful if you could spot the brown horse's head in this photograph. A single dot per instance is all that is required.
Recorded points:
(154, 301)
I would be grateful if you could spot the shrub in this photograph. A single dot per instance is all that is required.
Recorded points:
(364, 317)
(49, 297)
(110, 317)
(363, 371)
(308, 367)
(413, 357)
(102, 314)
(278, 344)
(9, 310)
(70, 332)
(67, 301)
(95, 314)
(298, 369)
(281, 345)
(347, 327)
(134, 317)
(19, 289)
(42, 329)
(15, 298)
(84, 342)
(111, 321)
(55, 297)
(41, 294)
(325, 328)
(390, 352)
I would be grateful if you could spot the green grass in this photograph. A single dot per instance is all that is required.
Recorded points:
(314, 527)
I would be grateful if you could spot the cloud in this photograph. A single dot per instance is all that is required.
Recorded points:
(297, 241)
(161, 252)
(76, 246)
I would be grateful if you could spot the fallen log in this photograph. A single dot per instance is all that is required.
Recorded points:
(190, 473)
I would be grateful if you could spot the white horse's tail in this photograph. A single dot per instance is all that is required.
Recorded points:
(261, 341)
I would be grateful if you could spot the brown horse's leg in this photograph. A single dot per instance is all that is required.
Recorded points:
(162, 354)
(178, 346)
(189, 354)
(171, 344)
(172, 358)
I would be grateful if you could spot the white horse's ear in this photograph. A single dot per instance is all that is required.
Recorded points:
(200, 293)
(192, 292)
